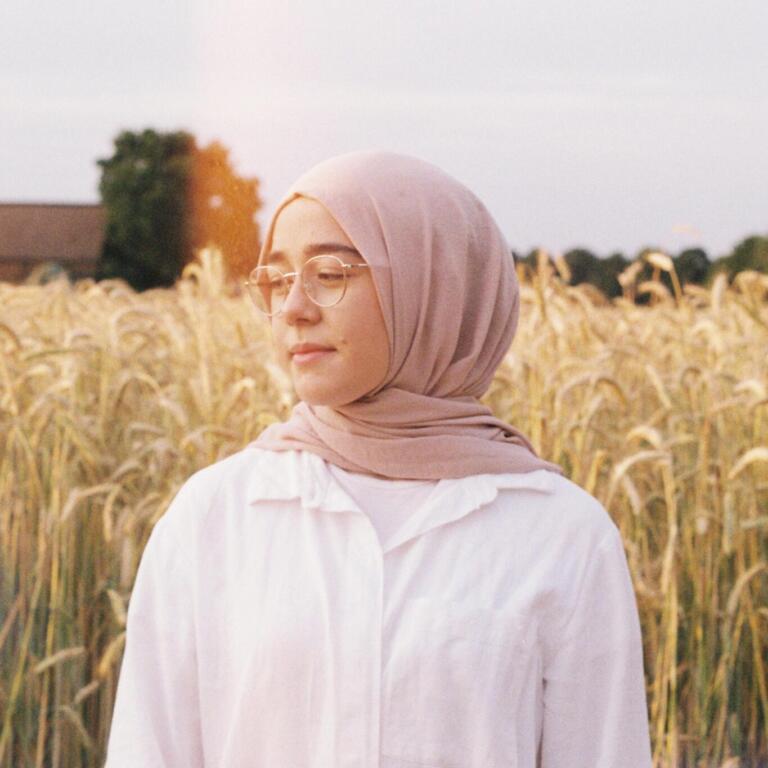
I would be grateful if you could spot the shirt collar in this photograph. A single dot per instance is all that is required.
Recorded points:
(455, 498)
(285, 475)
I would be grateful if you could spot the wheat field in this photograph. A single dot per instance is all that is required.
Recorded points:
(110, 399)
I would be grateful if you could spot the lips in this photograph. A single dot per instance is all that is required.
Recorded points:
(306, 348)
(305, 353)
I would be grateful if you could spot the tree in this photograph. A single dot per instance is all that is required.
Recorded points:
(692, 266)
(222, 209)
(143, 188)
(586, 267)
(165, 198)
(583, 265)
(750, 253)
(612, 267)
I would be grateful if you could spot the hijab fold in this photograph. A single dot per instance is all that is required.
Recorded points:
(450, 301)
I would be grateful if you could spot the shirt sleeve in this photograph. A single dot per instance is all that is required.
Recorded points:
(595, 713)
(156, 720)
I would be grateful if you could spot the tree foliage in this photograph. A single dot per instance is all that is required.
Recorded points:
(602, 273)
(165, 197)
(143, 188)
(222, 208)
(691, 266)
(750, 253)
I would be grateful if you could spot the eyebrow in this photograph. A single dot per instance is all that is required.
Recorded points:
(315, 249)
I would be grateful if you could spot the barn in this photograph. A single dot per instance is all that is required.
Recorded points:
(34, 235)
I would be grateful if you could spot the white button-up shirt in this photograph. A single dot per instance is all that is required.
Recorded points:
(267, 628)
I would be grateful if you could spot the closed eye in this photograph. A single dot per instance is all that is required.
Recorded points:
(330, 277)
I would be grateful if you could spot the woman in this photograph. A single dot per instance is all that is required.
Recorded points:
(392, 577)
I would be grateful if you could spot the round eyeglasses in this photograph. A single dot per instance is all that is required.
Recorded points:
(324, 279)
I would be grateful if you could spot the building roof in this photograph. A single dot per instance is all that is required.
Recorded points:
(36, 232)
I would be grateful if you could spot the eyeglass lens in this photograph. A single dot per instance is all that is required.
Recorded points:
(323, 279)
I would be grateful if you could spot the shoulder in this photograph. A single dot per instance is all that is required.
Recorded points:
(211, 486)
(578, 510)
(576, 552)
(555, 499)
(560, 508)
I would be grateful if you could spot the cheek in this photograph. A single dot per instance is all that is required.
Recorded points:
(279, 343)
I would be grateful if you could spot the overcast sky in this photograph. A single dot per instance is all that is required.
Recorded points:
(611, 125)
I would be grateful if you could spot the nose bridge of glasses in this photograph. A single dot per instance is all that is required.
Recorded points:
(305, 273)
(291, 279)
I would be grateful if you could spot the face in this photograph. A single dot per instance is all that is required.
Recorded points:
(347, 353)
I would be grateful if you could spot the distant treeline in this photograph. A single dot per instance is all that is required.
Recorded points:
(692, 265)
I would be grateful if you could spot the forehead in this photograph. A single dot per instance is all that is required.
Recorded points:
(304, 228)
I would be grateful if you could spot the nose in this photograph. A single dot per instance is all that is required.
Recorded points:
(298, 307)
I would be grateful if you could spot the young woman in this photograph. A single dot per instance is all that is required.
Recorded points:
(392, 578)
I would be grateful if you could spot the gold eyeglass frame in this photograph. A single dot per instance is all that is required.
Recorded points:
(251, 282)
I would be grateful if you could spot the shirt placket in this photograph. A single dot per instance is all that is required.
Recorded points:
(363, 619)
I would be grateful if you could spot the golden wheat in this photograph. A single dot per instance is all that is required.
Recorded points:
(109, 400)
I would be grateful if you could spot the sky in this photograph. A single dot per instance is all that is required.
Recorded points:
(600, 124)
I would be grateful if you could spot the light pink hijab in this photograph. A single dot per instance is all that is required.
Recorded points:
(450, 303)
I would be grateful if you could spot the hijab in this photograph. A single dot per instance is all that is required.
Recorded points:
(450, 300)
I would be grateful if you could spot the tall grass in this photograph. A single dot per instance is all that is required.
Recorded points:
(109, 400)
